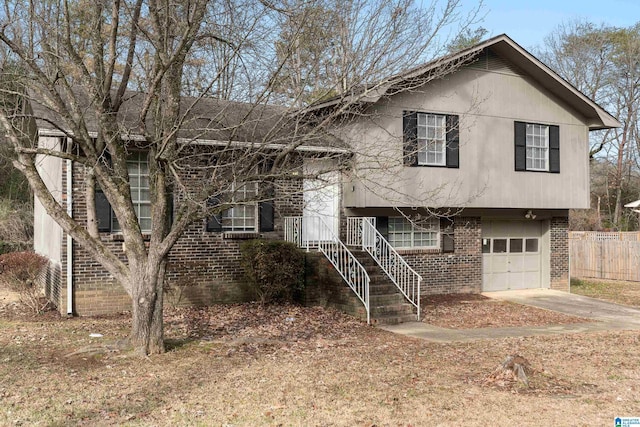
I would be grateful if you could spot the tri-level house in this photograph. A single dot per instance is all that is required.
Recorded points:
(461, 175)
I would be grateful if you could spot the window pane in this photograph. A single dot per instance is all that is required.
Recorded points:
(486, 246)
(144, 211)
(537, 145)
(145, 224)
(515, 245)
(144, 195)
(499, 246)
(431, 158)
(422, 154)
(241, 217)
(138, 167)
(531, 245)
(431, 132)
(402, 233)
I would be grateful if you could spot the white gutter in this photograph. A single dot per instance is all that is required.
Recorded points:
(69, 239)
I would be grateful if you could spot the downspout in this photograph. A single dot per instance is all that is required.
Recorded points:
(69, 239)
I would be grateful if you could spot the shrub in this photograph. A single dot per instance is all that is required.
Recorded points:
(16, 223)
(274, 270)
(19, 271)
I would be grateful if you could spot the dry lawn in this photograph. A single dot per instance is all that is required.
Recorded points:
(249, 366)
(620, 292)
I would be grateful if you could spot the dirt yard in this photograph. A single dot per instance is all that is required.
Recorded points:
(247, 365)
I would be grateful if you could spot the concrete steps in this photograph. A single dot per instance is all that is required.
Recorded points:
(387, 304)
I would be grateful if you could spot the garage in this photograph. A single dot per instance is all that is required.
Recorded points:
(511, 255)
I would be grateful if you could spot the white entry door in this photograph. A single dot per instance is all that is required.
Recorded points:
(511, 255)
(321, 200)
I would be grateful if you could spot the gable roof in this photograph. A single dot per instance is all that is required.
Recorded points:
(504, 46)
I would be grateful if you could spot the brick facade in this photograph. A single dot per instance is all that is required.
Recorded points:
(457, 272)
(559, 251)
(203, 267)
(324, 287)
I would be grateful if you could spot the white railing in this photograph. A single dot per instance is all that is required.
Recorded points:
(313, 233)
(361, 231)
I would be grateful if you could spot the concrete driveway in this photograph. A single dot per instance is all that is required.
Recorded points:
(571, 304)
(605, 316)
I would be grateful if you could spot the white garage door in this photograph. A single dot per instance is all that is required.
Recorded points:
(511, 255)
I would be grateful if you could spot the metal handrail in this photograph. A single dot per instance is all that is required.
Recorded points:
(313, 233)
(361, 231)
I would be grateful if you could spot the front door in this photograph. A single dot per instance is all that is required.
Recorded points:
(321, 204)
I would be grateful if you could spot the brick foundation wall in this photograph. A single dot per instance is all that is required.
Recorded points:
(203, 267)
(457, 272)
(559, 242)
(325, 287)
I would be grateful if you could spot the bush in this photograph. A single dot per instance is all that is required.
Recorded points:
(274, 270)
(19, 271)
(16, 226)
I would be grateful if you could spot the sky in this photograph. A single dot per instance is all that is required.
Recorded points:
(528, 22)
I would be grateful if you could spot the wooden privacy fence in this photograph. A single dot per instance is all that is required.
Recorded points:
(614, 256)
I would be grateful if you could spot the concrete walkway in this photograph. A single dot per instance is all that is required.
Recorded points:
(606, 317)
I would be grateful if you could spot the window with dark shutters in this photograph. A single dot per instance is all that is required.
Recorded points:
(430, 139)
(537, 147)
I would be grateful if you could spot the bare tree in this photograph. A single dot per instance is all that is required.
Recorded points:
(331, 47)
(603, 62)
(115, 77)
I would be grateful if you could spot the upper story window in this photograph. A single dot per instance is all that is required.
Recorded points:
(430, 139)
(242, 216)
(405, 234)
(138, 168)
(537, 147)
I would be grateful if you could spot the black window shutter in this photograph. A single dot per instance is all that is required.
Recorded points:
(448, 235)
(410, 138)
(266, 215)
(214, 222)
(554, 149)
(103, 210)
(266, 208)
(170, 208)
(382, 225)
(453, 142)
(521, 145)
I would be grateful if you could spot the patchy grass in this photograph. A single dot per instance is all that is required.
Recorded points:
(470, 311)
(247, 365)
(620, 292)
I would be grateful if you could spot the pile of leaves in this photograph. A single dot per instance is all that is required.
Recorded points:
(471, 311)
(245, 327)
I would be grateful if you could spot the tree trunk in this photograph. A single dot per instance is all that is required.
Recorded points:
(147, 329)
